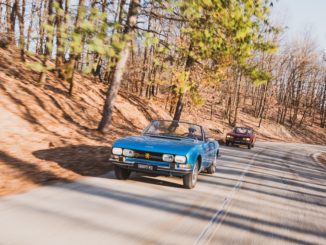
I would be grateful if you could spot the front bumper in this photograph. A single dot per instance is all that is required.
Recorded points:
(155, 169)
(238, 142)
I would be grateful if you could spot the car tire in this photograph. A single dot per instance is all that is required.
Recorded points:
(121, 173)
(249, 146)
(212, 168)
(227, 143)
(190, 180)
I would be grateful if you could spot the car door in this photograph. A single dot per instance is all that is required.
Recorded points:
(205, 153)
(208, 150)
(212, 151)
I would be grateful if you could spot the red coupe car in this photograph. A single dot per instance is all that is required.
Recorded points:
(241, 136)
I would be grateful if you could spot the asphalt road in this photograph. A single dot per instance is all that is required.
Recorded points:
(272, 194)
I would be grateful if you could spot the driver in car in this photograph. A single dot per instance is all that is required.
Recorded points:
(155, 128)
(192, 132)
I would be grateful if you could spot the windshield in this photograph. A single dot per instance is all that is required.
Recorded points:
(174, 129)
(239, 130)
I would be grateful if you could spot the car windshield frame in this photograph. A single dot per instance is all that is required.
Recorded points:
(200, 138)
(248, 130)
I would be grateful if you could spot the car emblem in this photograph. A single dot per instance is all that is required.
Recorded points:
(147, 155)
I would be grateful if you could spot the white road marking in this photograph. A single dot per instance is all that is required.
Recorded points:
(217, 218)
(315, 158)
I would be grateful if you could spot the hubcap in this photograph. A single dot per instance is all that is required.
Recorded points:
(195, 174)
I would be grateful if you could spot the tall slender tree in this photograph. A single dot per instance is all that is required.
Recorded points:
(112, 92)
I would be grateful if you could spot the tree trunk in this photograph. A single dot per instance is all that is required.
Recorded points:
(30, 26)
(119, 68)
(236, 96)
(118, 17)
(10, 25)
(12, 22)
(48, 51)
(59, 54)
(144, 71)
(74, 56)
(323, 108)
(212, 109)
(179, 107)
(264, 108)
(21, 28)
(41, 49)
(181, 96)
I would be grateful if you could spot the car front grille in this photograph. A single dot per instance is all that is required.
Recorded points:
(240, 139)
(153, 156)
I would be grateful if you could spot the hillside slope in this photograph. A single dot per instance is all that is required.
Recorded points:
(47, 136)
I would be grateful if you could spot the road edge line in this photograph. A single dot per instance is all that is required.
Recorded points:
(221, 212)
(314, 156)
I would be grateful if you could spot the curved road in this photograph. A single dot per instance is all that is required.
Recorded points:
(272, 194)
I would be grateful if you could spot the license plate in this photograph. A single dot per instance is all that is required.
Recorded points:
(143, 166)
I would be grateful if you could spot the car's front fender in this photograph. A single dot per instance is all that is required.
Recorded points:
(193, 155)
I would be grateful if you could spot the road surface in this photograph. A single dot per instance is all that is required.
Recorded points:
(272, 194)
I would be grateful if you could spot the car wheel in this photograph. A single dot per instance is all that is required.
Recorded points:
(212, 168)
(227, 143)
(249, 146)
(121, 173)
(190, 180)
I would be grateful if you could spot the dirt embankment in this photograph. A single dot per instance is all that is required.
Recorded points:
(47, 136)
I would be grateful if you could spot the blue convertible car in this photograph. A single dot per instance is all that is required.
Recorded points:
(166, 148)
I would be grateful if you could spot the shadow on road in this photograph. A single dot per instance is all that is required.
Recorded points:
(234, 220)
(30, 171)
(150, 179)
(84, 160)
(91, 161)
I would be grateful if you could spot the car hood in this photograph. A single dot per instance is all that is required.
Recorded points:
(239, 135)
(158, 145)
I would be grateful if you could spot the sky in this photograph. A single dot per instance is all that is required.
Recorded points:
(301, 16)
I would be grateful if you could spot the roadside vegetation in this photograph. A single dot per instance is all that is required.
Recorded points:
(74, 74)
(194, 52)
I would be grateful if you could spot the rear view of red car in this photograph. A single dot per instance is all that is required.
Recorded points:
(241, 136)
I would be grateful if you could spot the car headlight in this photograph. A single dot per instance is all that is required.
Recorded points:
(180, 159)
(229, 136)
(247, 139)
(128, 152)
(117, 151)
(168, 158)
